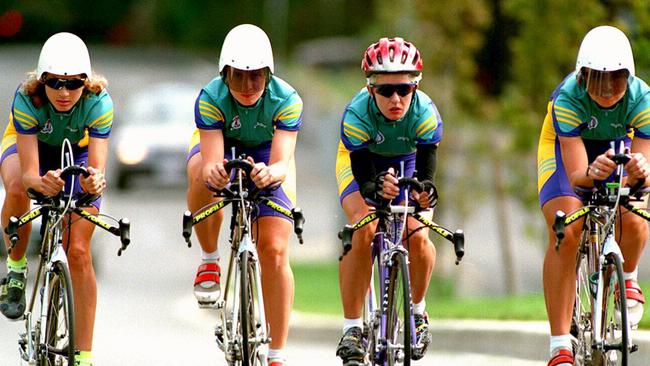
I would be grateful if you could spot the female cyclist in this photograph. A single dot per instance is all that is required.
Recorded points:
(387, 122)
(61, 99)
(259, 114)
(601, 101)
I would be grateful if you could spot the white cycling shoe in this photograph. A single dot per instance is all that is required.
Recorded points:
(207, 287)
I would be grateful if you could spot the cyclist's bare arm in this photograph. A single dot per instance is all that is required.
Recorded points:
(97, 155)
(638, 168)
(212, 143)
(283, 146)
(49, 184)
(574, 157)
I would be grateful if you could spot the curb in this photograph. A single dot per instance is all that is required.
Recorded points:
(517, 339)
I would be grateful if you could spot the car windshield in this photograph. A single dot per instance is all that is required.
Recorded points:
(163, 105)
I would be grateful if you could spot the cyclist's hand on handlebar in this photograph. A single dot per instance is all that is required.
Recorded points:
(51, 183)
(637, 168)
(217, 176)
(265, 175)
(428, 198)
(387, 187)
(603, 166)
(95, 183)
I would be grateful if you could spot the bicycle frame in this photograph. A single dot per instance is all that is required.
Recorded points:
(385, 246)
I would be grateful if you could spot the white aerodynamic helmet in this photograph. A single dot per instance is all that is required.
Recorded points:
(605, 48)
(246, 47)
(64, 54)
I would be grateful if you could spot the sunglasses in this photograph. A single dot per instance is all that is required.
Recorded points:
(387, 90)
(70, 84)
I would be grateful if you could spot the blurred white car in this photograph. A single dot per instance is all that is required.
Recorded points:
(152, 137)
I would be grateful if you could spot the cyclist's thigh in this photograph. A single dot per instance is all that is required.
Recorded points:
(272, 233)
(354, 206)
(11, 175)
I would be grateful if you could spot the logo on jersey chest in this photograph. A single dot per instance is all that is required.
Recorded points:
(379, 138)
(235, 124)
(47, 128)
(593, 123)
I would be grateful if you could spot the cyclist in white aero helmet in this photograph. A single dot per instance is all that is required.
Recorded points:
(62, 99)
(600, 102)
(259, 114)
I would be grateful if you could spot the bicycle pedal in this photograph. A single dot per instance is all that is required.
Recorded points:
(634, 348)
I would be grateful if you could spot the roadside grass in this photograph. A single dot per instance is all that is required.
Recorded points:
(317, 291)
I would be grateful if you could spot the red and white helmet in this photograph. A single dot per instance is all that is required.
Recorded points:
(392, 55)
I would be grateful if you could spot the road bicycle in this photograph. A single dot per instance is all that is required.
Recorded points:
(49, 337)
(600, 320)
(242, 331)
(389, 325)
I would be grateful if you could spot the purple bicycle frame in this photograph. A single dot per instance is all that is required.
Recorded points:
(379, 249)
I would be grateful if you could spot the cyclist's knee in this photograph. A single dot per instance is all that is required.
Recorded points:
(15, 194)
(635, 226)
(570, 241)
(79, 255)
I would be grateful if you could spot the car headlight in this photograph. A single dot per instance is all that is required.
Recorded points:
(131, 153)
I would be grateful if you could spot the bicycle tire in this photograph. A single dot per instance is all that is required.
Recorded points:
(60, 332)
(247, 311)
(398, 330)
(609, 326)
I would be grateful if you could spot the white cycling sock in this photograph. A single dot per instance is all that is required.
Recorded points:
(351, 323)
(210, 257)
(419, 307)
(631, 275)
(277, 355)
(561, 341)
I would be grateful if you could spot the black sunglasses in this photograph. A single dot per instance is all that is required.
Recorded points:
(387, 90)
(70, 84)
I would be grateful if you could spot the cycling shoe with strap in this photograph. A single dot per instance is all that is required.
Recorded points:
(12, 295)
(207, 284)
(634, 301)
(351, 348)
(563, 357)
(422, 334)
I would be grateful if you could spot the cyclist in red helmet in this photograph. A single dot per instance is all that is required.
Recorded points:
(388, 122)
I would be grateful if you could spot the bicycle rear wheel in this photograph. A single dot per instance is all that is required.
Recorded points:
(247, 310)
(59, 327)
(398, 316)
(614, 333)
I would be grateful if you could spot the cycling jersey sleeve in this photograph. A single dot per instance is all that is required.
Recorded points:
(566, 115)
(289, 115)
(364, 171)
(426, 161)
(428, 130)
(24, 113)
(640, 118)
(355, 132)
(207, 115)
(101, 117)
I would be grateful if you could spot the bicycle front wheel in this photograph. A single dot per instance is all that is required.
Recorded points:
(614, 329)
(247, 310)
(59, 327)
(398, 316)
